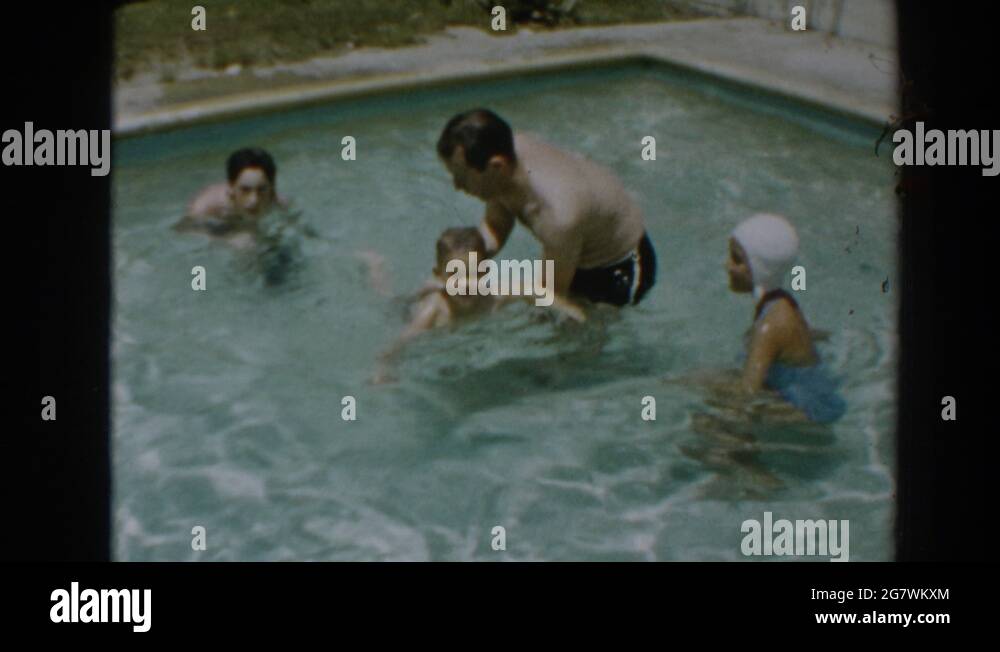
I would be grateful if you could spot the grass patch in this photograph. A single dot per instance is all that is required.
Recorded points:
(155, 33)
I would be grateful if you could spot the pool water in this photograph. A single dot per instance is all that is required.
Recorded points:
(227, 402)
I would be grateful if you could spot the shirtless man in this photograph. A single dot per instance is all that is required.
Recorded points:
(232, 210)
(579, 211)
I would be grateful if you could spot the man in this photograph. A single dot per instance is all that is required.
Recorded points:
(579, 211)
(232, 210)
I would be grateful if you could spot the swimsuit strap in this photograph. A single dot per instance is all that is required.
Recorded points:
(770, 296)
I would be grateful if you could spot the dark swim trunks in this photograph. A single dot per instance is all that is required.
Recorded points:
(626, 281)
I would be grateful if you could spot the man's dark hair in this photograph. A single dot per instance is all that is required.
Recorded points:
(464, 239)
(482, 135)
(250, 157)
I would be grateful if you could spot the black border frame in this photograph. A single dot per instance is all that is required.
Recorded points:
(60, 74)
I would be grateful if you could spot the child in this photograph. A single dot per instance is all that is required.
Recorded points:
(434, 307)
(782, 355)
(231, 211)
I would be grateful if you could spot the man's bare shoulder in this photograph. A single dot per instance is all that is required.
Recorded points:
(782, 323)
(562, 181)
(551, 170)
(536, 151)
(565, 170)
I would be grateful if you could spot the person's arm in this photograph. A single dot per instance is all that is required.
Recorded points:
(563, 247)
(214, 226)
(207, 211)
(562, 305)
(430, 312)
(766, 342)
(569, 308)
(212, 201)
(496, 227)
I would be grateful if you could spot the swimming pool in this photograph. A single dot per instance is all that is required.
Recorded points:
(227, 403)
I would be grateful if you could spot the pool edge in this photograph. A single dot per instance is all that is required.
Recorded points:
(311, 94)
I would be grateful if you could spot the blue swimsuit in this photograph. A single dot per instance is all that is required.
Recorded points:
(812, 389)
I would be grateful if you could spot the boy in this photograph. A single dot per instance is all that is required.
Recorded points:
(232, 211)
(435, 307)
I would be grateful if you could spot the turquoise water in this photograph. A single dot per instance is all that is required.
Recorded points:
(227, 402)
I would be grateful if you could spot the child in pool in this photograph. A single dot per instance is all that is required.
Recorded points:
(435, 307)
(232, 211)
(782, 355)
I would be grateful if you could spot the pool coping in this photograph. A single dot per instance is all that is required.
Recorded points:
(824, 98)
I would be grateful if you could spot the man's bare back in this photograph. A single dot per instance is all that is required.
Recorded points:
(574, 198)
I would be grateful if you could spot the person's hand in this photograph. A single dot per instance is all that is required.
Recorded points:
(566, 309)
(385, 367)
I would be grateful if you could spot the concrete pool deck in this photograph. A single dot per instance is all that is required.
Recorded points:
(854, 78)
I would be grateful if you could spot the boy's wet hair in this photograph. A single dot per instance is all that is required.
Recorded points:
(460, 240)
(250, 157)
(482, 135)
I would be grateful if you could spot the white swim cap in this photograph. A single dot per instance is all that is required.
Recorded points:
(771, 245)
